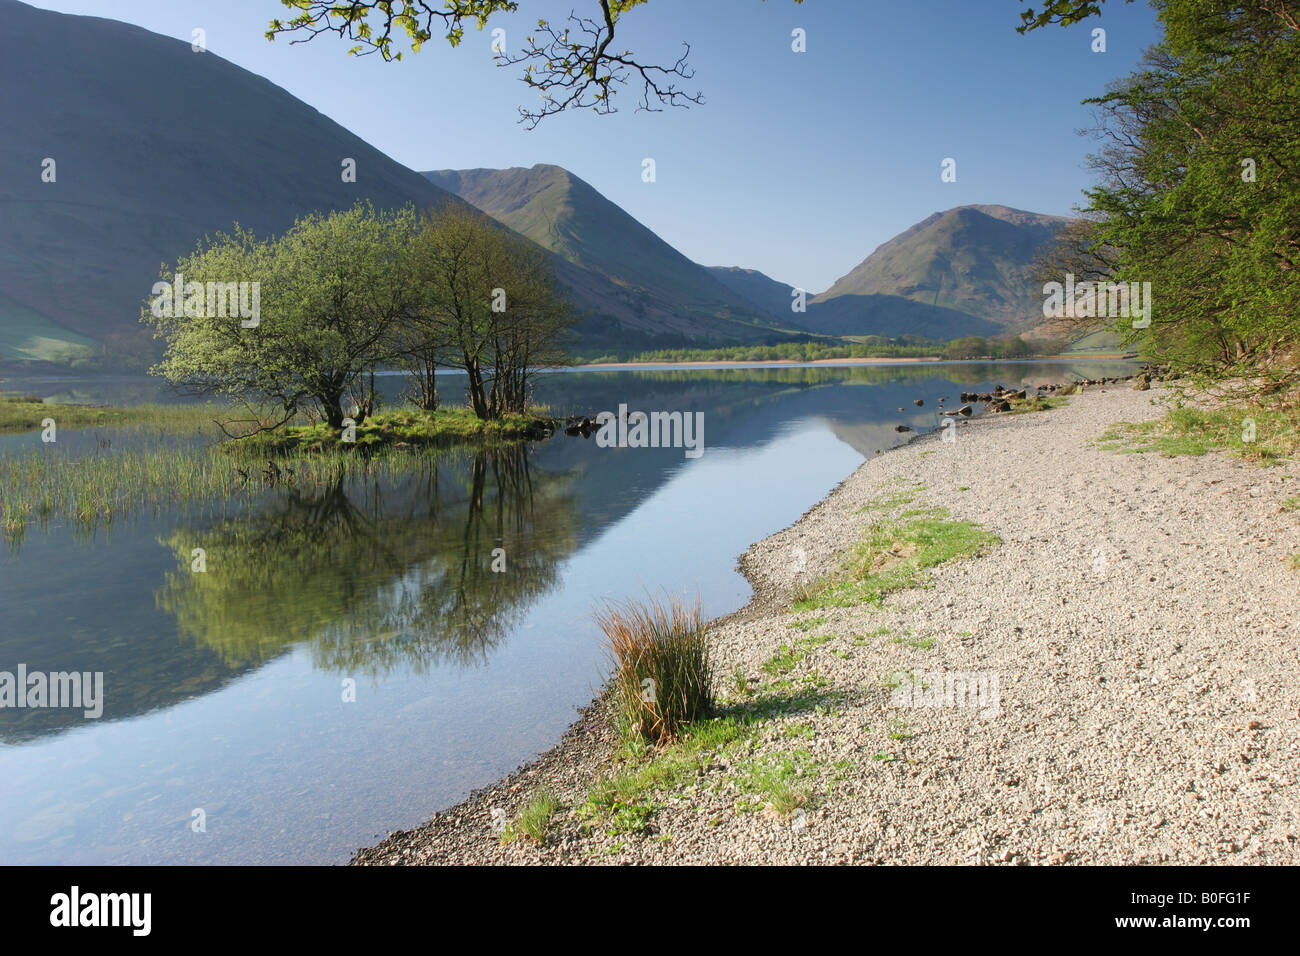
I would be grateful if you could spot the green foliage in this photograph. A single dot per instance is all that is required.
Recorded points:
(895, 553)
(1198, 431)
(1199, 191)
(1063, 12)
(1037, 403)
(330, 290)
(533, 819)
(406, 426)
(343, 294)
(487, 304)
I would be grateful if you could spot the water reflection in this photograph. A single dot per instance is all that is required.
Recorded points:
(233, 674)
(376, 575)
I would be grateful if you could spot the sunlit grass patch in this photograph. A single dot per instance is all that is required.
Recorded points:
(784, 660)
(627, 799)
(1260, 435)
(783, 781)
(533, 820)
(891, 501)
(895, 554)
(807, 623)
(921, 643)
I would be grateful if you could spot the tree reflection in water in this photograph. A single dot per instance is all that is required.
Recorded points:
(376, 575)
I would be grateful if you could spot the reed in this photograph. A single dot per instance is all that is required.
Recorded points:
(662, 678)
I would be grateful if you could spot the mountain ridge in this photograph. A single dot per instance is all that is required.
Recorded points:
(976, 259)
(156, 146)
(562, 212)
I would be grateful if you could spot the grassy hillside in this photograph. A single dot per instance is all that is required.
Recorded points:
(155, 146)
(975, 260)
(558, 210)
(26, 335)
(764, 291)
(893, 315)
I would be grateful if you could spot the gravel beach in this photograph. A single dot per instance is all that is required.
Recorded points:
(1132, 637)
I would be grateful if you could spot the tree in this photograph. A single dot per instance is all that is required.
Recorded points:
(530, 331)
(328, 292)
(487, 305)
(571, 66)
(1199, 188)
(1009, 347)
(970, 347)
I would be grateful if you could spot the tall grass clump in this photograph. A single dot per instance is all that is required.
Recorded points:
(662, 671)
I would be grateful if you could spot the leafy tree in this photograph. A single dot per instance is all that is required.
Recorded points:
(487, 305)
(1199, 190)
(571, 66)
(330, 290)
(970, 347)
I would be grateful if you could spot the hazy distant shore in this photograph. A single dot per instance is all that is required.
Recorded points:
(1135, 620)
(928, 360)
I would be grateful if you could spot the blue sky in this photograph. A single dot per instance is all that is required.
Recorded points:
(798, 164)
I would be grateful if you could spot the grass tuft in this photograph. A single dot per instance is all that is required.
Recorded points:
(662, 672)
(533, 819)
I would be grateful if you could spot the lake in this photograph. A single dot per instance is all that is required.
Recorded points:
(350, 662)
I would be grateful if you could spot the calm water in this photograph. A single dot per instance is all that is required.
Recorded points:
(224, 691)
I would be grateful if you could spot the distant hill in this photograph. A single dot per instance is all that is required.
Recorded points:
(854, 314)
(765, 292)
(975, 261)
(155, 146)
(892, 315)
(558, 210)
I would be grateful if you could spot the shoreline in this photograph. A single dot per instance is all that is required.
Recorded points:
(1036, 784)
(910, 360)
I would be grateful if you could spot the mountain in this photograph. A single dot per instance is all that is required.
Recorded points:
(892, 315)
(561, 212)
(155, 146)
(851, 314)
(975, 261)
(771, 296)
